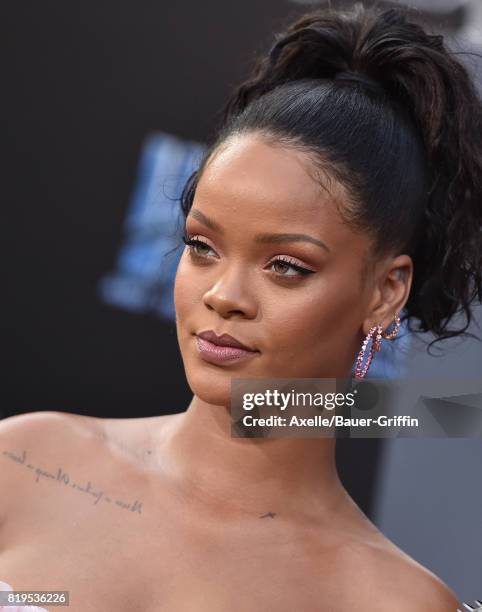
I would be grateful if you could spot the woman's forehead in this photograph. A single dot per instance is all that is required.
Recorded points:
(249, 174)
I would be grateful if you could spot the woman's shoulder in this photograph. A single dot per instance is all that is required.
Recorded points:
(47, 431)
(25, 438)
(56, 431)
(43, 425)
(383, 577)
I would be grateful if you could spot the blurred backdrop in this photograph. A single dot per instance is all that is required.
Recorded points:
(107, 107)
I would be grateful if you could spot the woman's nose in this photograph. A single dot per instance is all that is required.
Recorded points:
(230, 295)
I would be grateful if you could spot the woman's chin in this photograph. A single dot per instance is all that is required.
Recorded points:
(211, 387)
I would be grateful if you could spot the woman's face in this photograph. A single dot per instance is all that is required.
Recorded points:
(259, 217)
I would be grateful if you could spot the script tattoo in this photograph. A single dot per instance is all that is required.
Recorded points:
(63, 478)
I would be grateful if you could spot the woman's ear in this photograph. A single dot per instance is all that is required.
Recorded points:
(390, 292)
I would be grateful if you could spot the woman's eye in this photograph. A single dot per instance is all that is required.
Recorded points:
(280, 265)
(195, 244)
(283, 265)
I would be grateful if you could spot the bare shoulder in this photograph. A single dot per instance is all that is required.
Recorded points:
(383, 577)
(44, 427)
(31, 434)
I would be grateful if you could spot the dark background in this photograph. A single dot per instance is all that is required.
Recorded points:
(82, 85)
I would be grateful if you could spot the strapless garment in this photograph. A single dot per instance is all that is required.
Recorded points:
(6, 587)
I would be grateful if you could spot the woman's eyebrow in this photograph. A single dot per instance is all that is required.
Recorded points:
(290, 238)
(261, 238)
(202, 218)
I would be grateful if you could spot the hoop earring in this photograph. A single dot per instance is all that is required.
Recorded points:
(376, 333)
(394, 331)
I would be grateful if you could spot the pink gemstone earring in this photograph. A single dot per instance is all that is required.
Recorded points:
(376, 334)
(394, 331)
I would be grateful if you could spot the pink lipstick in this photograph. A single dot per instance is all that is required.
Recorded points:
(221, 349)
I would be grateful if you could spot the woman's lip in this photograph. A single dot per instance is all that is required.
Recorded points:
(223, 340)
(214, 353)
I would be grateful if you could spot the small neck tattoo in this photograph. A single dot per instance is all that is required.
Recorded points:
(268, 514)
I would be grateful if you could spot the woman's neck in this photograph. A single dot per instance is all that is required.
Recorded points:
(254, 476)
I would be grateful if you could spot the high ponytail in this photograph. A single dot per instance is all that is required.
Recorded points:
(408, 151)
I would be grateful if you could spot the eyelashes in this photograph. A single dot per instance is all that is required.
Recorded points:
(194, 243)
(286, 262)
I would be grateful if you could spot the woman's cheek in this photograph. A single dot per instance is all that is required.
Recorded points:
(186, 292)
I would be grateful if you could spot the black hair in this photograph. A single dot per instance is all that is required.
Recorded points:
(407, 150)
